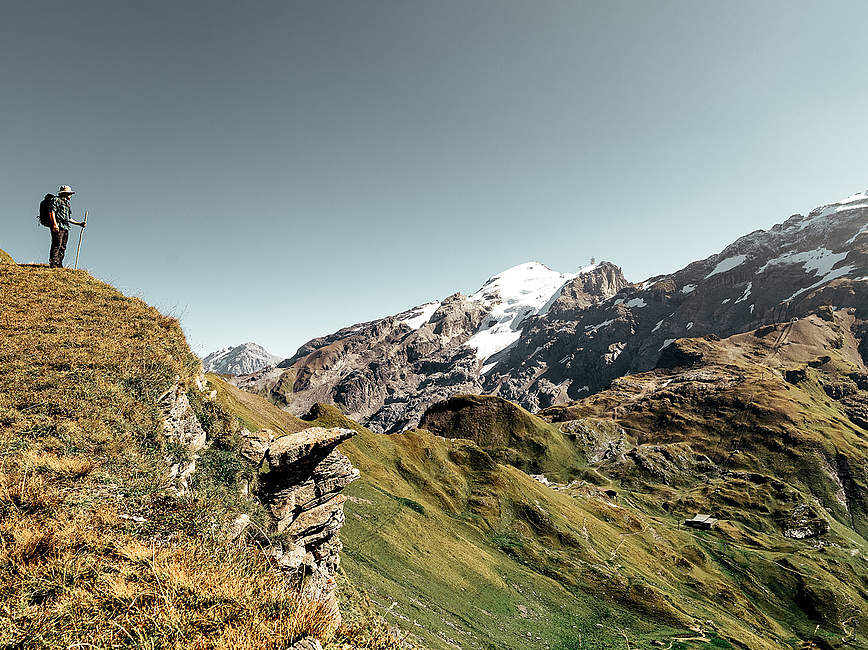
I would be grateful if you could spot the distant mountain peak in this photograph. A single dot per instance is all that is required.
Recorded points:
(242, 359)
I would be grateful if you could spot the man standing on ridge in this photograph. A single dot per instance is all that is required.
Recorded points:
(60, 217)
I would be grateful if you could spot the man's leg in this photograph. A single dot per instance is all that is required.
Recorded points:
(55, 248)
(64, 237)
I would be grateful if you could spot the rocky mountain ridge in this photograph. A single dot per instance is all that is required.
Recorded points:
(241, 359)
(542, 338)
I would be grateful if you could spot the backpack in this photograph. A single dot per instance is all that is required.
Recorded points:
(46, 205)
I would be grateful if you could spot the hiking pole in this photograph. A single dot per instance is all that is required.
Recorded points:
(80, 235)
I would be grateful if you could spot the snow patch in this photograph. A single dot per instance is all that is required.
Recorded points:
(635, 302)
(510, 298)
(688, 288)
(819, 261)
(592, 329)
(690, 325)
(727, 264)
(746, 293)
(657, 326)
(837, 206)
(862, 231)
(837, 273)
(725, 300)
(751, 308)
(420, 315)
(666, 344)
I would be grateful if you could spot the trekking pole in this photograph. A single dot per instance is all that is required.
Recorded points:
(80, 235)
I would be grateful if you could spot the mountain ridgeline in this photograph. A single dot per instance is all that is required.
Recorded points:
(542, 338)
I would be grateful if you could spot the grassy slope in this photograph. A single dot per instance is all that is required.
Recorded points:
(761, 447)
(433, 531)
(507, 432)
(254, 412)
(477, 553)
(95, 549)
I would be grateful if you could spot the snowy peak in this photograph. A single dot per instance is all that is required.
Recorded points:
(239, 360)
(511, 297)
(526, 282)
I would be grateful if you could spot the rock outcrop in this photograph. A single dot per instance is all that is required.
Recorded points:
(301, 476)
(298, 478)
(184, 432)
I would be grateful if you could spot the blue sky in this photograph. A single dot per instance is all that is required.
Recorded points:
(273, 171)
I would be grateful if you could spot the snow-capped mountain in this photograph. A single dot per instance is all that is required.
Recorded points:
(509, 298)
(387, 372)
(239, 360)
(540, 337)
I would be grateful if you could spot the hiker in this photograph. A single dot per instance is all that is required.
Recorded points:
(60, 218)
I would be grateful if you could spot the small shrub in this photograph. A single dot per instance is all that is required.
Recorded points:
(413, 505)
(505, 541)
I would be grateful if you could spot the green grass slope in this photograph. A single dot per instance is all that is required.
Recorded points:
(765, 430)
(459, 549)
(464, 550)
(509, 433)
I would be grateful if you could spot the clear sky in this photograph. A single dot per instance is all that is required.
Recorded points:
(272, 171)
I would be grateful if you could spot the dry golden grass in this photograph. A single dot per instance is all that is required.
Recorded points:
(83, 581)
(95, 552)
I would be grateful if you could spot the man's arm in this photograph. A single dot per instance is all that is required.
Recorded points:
(54, 226)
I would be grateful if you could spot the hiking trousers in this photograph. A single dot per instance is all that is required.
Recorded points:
(58, 248)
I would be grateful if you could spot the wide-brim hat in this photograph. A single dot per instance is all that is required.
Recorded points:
(65, 189)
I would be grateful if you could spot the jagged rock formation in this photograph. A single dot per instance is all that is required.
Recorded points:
(239, 360)
(542, 338)
(300, 479)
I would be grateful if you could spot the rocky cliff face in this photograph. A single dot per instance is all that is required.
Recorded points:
(753, 402)
(542, 338)
(239, 360)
